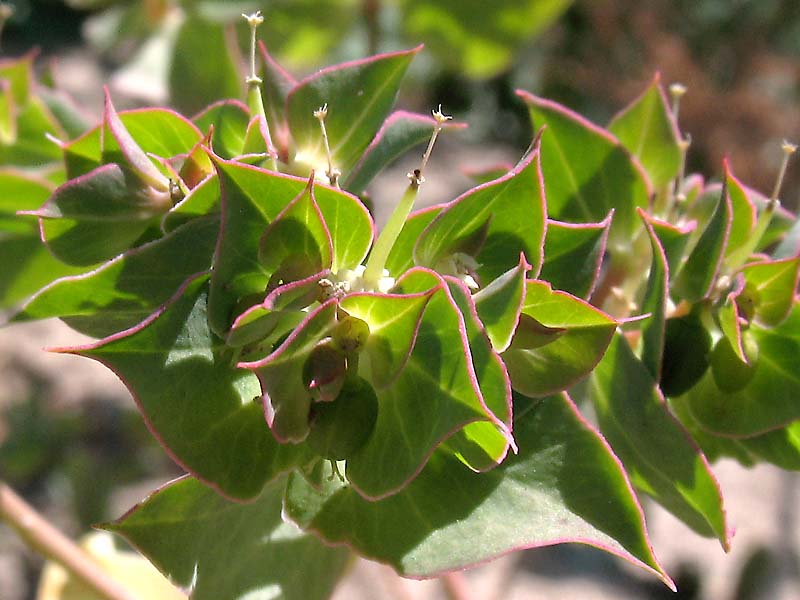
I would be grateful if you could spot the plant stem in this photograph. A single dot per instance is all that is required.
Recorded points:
(40, 535)
(455, 586)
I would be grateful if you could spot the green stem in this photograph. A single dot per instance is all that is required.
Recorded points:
(388, 236)
(48, 541)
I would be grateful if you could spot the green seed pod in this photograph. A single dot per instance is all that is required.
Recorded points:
(686, 348)
(350, 334)
(339, 428)
(730, 373)
(324, 372)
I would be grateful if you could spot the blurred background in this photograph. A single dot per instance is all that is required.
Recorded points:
(70, 439)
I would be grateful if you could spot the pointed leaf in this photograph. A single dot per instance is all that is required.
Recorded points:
(359, 96)
(297, 243)
(393, 321)
(277, 84)
(696, 277)
(573, 255)
(648, 130)
(587, 171)
(656, 450)
(483, 445)
(509, 214)
(772, 398)
(252, 199)
(31, 146)
(133, 157)
(183, 526)
(229, 119)
(127, 289)
(286, 397)
(655, 301)
(673, 240)
(96, 216)
(743, 216)
(205, 411)
(543, 370)
(500, 303)
(565, 485)
(398, 134)
(203, 199)
(435, 395)
(19, 74)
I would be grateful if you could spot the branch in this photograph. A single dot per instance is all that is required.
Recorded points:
(40, 535)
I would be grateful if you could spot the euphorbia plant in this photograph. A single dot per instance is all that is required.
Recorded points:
(418, 395)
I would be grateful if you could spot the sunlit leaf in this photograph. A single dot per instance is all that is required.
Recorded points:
(573, 255)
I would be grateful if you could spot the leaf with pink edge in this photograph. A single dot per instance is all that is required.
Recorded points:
(287, 398)
(565, 485)
(648, 130)
(435, 395)
(252, 199)
(205, 411)
(183, 526)
(654, 303)
(492, 223)
(659, 456)
(126, 290)
(398, 134)
(277, 83)
(201, 200)
(581, 335)
(359, 96)
(229, 119)
(393, 321)
(587, 171)
(482, 445)
(770, 400)
(97, 216)
(780, 447)
(500, 303)
(573, 255)
(743, 217)
(695, 279)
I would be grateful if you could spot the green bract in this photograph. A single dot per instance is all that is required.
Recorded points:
(428, 416)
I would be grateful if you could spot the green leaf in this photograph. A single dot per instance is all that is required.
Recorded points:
(184, 526)
(743, 216)
(96, 216)
(252, 199)
(229, 118)
(398, 134)
(673, 240)
(483, 445)
(393, 321)
(774, 284)
(469, 39)
(500, 303)
(359, 96)
(28, 264)
(655, 303)
(493, 223)
(8, 115)
(18, 72)
(277, 84)
(127, 289)
(587, 171)
(687, 345)
(193, 83)
(772, 398)
(435, 394)
(296, 244)
(286, 397)
(543, 370)
(657, 453)
(648, 130)
(205, 411)
(201, 200)
(695, 280)
(32, 147)
(573, 255)
(156, 131)
(565, 485)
